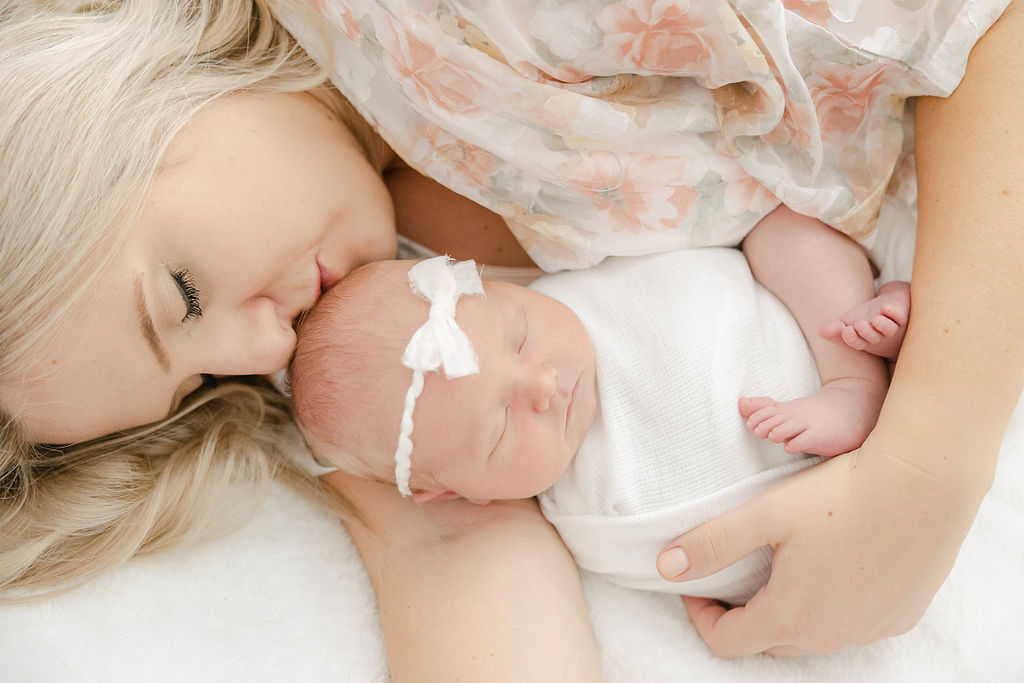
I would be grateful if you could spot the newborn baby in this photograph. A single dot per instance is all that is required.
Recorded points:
(610, 392)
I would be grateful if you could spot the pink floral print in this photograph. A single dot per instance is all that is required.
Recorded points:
(601, 127)
(429, 77)
(656, 37)
(842, 93)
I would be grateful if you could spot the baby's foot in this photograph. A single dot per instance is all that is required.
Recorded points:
(835, 421)
(876, 326)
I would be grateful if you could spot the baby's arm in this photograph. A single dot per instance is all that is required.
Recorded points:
(818, 273)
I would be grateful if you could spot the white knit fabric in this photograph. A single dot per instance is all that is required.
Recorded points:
(678, 337)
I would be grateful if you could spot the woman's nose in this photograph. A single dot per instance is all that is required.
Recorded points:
(538, 384)
(253, 340)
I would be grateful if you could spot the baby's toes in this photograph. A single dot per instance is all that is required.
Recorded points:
(759, 416)
(832, 331)
(765, 427)
(895, 313)
(866, 332)
(800, 442)
(786, 431)
(748, 405)
(885, 326)
(851, 339)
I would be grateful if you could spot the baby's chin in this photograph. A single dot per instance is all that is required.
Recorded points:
(526, 490)
(544, 483)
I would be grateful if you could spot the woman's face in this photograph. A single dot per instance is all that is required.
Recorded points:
(263, 201)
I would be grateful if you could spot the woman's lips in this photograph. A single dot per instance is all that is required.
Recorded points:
(328, 278)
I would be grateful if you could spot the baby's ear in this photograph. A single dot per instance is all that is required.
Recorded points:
(420, 497)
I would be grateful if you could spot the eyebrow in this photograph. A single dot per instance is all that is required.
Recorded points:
(148, 330)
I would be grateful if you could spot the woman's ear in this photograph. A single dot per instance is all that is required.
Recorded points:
(420, 497)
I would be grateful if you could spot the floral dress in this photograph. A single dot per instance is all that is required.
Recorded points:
(599, 127)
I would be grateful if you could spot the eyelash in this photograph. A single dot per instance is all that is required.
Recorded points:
(190, 293)
(508, 409)
(526, 332)
(504, 428)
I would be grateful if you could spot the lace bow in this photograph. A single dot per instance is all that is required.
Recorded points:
(438, 343)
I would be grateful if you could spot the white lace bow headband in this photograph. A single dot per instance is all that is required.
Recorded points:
(438, 343)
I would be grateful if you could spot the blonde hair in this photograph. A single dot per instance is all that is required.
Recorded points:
(93, 93)
(69, 514)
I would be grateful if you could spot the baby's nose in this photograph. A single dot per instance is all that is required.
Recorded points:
(541, 383)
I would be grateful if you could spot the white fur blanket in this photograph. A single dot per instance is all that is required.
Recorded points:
(286, 598)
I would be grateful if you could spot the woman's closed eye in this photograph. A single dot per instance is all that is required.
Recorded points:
(189, 294)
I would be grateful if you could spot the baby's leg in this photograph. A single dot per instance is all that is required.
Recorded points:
(816, 271)
(876, 326)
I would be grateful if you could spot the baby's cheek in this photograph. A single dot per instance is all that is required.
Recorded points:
(551, 467)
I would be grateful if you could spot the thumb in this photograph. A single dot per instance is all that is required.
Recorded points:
(716, 544)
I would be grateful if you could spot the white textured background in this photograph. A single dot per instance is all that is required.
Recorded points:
(286, 598)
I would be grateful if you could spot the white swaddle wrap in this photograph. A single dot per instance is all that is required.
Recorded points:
(678, 337)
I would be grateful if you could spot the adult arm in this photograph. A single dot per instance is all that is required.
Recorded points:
(473, 593)
(864, 540)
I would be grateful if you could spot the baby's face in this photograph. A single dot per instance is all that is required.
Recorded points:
(510, 431)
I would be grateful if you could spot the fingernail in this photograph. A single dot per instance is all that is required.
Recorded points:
(672, 563)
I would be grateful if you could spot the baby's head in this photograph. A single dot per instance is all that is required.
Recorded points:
(507, 432)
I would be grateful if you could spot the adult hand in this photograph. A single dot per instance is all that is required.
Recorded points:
(862, 543)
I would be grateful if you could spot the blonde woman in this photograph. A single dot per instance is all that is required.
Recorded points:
(180, 183)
